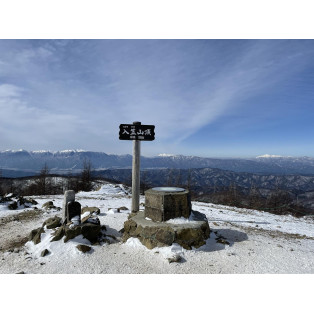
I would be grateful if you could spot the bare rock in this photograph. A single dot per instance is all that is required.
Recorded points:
(13, 205)
(35, 235)
(91, 210)
(44, 252)
(122, 208)
(176, 258)
(58, 235)
(53, 222)
(89, 231)
(48, 205)
(83, 248)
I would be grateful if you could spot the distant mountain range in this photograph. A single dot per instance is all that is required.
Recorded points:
(266, 173)
(207, 180)
(22, 163)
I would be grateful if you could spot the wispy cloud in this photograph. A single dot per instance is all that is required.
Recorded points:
(74, 94)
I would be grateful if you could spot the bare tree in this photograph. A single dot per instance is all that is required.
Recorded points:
(43, 182)
(179, 179)
(189, 179)
(86, 176)
(170, 177)
(254, 198)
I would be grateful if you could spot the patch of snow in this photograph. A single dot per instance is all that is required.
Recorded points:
(170, 252)
(75, 221)
(85, 215)
(66, 151)
(182, 220)
(112, 211)
(269, 156)
(40, 151)
(57, 248)
(166, 155)
(135, 242)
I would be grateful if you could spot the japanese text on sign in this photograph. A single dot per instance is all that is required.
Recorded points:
(137, 132)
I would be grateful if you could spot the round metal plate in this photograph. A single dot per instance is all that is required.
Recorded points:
(168, 189)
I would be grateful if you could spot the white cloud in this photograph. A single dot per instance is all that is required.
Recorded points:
(77, 93)
(262, 65)
(9, 91)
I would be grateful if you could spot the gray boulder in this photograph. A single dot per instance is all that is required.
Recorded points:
(58, 234)
(48, 205)
(13, 205)
(89, 231)
(53, 222)
(83, 248)
(95, 210)
(35, 235)
(44, 253)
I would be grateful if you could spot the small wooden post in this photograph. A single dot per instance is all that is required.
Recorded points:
(136, 174)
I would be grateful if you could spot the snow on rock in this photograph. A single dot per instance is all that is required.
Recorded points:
(182, 220)
(173, 253)
(86, 214)
(135, 242)
(112, 211)
(59, 249)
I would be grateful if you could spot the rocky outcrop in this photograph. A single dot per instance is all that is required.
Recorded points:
(89, 228)
(44, 252)
(83, 248)
(35, 235)
(158, 234)
(95, 210)
(89, 231)
(90, 217)
(13, 205)
(58, 234)
(122, 208)
(26, 201)
(49, 205)
(17, 202)
(52, 222)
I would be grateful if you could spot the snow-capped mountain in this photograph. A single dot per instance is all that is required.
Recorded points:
(72, 161)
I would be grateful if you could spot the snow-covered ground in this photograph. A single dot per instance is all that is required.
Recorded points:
(242, 241)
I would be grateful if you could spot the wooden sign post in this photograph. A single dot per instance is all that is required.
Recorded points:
(136, 132)
(136, 166)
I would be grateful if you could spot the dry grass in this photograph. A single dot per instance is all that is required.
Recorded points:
(22, 217)
(11, 239)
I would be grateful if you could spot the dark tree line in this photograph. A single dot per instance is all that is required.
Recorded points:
(48, 184)
(278, 202)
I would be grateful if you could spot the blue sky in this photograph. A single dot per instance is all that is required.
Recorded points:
(215, 98)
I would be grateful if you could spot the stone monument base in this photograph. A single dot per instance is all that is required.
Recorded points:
(152, 234)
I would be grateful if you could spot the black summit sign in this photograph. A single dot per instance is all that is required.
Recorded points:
(137, 132)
